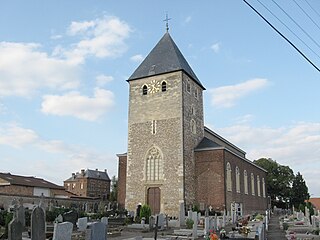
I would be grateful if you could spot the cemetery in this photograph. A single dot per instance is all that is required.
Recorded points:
(42, 223)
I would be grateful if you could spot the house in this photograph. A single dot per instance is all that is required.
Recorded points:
(89, 183)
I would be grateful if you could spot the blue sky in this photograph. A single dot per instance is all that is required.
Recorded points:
(64, 98)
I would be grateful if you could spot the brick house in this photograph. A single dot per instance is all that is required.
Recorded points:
(89, 183)
(29, 186)
(172, 158)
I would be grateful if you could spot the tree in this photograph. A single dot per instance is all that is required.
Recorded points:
(114, 189)
(299, 191)
(278, 182)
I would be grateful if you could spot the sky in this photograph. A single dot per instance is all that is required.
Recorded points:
(64, 66)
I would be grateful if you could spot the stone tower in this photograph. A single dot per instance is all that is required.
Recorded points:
(165, 125)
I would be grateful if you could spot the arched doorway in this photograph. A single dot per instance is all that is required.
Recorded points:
(153, 199)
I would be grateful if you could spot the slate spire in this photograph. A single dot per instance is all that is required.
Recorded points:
(165, 57)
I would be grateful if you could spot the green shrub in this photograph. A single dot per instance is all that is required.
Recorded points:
(145, 212)
(285, 226)
(189, 223)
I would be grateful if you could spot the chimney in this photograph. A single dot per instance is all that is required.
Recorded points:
(96, 169)
(105, 170)
(73, 175)
(82, 172)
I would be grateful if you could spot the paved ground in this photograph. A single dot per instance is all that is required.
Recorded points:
(275, 233)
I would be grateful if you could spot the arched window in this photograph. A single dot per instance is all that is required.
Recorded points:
(154, 165)
(188, 86)
(263, 188)
(193, 126)
(237, 180)
(245, 181)
(258, 185)
(229, 180)
(164, 86)
(144, 90)
(252, 184)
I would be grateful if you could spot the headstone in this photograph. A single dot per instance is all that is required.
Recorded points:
(182, 215)
(104, 220)
(21, 216)
(59, 219)
(161, 221)
(206, 226)
(15, 230)
(215, 223)
(70, 216)
(38, 229)
(195, 225)
(62, 231)
(96, 231)
(82, 224)
(189, 214)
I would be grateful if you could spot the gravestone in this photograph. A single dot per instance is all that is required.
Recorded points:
(161, 221)
(195, 225)
(82, 224)
(38, 225)
(71, 216)
(182, 215)
(206, 226)
(62, 231)
(59, 219)
(96, 231)
(21, 216)
(104, 220)
(189, 214)
(224, 219)
(15, 230)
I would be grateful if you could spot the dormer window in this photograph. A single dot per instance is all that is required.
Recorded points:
(164, 86)
(144, 90)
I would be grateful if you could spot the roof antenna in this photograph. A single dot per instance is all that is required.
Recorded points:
(167, 21)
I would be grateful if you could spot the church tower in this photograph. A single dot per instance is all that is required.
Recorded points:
(165, 125)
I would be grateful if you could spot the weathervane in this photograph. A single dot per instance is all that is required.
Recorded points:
(167, 22)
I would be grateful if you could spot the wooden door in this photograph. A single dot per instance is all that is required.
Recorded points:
(154, 199)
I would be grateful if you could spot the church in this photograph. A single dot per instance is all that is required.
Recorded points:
(172, 158)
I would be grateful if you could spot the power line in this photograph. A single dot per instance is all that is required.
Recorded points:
(288, 28)
(295, 23)
(307, 14)
(312, 8)
(297, 49)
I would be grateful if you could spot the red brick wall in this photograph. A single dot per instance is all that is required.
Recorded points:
(122, 178)
(210, 178)
(250, 203)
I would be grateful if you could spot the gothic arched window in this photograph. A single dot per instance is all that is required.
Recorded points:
(229, 180)
(252, 184)
(245, 181)
(154, 165)
(258, 186)
(144, 90)
(237, 180)
(164, 86)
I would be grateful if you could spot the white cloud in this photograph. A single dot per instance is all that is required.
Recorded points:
(76, 105)
(55, 37)
(226, 96)
(16, 136)
(104, 37)
(216, 47)
(24, 69)
(102, 80)
(244, 119)
(137, 58)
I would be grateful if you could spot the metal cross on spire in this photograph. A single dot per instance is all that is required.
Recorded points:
(167, 22)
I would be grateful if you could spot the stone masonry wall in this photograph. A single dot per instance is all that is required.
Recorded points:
(192, 111)
(122, 177)
(166, 109)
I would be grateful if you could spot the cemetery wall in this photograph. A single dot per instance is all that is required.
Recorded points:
(6, 200)
(251, 203)
(210, 179)
(122, 177)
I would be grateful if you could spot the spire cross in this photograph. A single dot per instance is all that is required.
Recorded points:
(167, 22)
